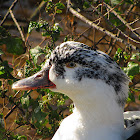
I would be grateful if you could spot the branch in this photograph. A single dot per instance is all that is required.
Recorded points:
(13, 108)
(134, 21)
(111, 22)
(37, 10)
(12, 15)
(122, 20)
(103, 16)
(8, 12)
(78, 15)
(131, 7)
(136, 29)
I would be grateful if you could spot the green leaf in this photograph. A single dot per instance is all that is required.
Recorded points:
(5, 70)
(131, 97)
(107, 1)
(13, 45)
(32, 25)
(66, 38)
(60, 5)
(25, 101)
(135, 56)
(21, 138)
(119, 55)
(86, 5)
(2, 70)
(58, 11)
(35, 53)
(43, 24)
(1, 121)
(46, 34)
(39, 117)
(10, 82)
(3, 33)
(115, 2)
(1, 52)
(139, 97)
(129, 1)
(132, 69)
(115, 20)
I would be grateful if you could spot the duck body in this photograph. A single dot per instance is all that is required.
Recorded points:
(84, 123)
(97, 86)
(73, 128)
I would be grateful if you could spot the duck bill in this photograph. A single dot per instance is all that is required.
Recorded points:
(36, 81)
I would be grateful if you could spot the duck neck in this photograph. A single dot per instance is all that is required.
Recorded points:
(99, 109)
(99, 113)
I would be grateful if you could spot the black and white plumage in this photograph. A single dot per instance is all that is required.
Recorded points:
(98, 88)
(92, 64)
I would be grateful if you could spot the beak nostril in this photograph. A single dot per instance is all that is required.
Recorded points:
(38, 76)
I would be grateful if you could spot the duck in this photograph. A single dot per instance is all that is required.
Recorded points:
(98, 88)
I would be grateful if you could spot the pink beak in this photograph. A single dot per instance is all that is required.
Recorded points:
(36, 81)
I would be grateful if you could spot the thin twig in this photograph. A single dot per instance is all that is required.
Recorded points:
(81, 34)
(134, 21)
(94, 34)
(122, 20)
(111, 46)
(112, 23)
(78, 15)
(136, 29)
(14, 19)
(13, 108)
(37, 10)
(8, 12)
(130, 8)
(103, 16)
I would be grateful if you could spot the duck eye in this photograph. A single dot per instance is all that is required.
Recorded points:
(70, 65)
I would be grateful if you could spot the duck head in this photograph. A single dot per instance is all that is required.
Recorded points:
(74, 69)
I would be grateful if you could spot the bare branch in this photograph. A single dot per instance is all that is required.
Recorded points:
(111, 22)
(134, 21)
(78, 15)
(103, 16)
(8, 12)
(122, 20)
(136, 29)
(14, 19)
(131, 7)
(37, 10)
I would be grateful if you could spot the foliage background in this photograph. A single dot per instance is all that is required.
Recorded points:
(30, 30)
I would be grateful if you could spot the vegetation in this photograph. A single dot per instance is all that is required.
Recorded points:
(113, 19)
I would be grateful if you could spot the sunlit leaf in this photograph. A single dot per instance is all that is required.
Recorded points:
(35, 53)
(132, 69)
(60, 5)
(1, 52)
(32, 25)
(131, 97)
(5, 70)
(58, 11)
(25, 101)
